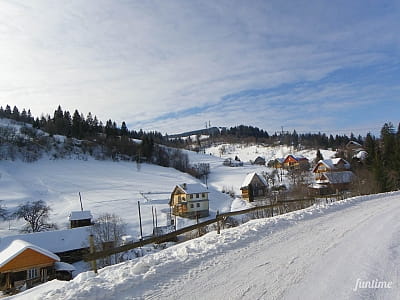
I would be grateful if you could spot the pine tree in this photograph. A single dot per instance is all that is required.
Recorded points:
(318, 157)
(124, 129)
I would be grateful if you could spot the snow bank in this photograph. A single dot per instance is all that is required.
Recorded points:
(137, 277)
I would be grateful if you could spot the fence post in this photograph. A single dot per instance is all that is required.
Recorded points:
(92, 250)
(197, 222)
(218, 226)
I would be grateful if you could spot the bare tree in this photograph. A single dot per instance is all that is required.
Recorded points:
(36, 215)
(3, 211)
(107, 232)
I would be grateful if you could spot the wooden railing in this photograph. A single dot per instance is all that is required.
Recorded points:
(274, 209)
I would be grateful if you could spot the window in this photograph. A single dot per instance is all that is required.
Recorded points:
(197, 195)
(203, 195)
(183, 199)
(32, 273)
(191, 196)
(197, 204)
(192, 205)
(179, 198)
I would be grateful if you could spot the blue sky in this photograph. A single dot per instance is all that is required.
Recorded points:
(172, 66)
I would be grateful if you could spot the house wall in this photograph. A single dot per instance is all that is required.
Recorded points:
(197, 205)
(321, 168)
(182, 204)
(27, 260)
(259, 189)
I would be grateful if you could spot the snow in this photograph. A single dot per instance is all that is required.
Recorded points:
(62, 266)
(17, 247)
(55, 241)
(315, 253)
(250, 176)
(193, 188)
(332, 163)
(80, 215)
(338, 177)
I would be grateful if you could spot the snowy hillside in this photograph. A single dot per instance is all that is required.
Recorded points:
(322, 252)
(116, 187)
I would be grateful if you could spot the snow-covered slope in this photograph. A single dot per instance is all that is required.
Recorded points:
(116, 187)
(105, 186)
(317, 253)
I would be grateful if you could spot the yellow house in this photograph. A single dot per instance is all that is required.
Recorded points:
(190, 200)
(22, 262)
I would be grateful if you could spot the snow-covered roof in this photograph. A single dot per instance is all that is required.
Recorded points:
(16, 247)
(297, 157)
(56, 241)
(63, 266)
(340, 177)
(249, 177)
(332, 163)
(80, 215)
(193, 188)
(361, 155)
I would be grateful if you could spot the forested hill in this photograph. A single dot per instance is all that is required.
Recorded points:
(90, 136)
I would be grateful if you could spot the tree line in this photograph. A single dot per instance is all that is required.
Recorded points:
(383, 159)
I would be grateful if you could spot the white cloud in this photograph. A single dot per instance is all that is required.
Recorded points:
(139, 60)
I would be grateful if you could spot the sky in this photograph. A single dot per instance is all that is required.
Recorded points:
(173, 66)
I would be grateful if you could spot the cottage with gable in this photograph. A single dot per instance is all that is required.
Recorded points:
(190, 200)
(254, 187)
(296, 162)
(24, 263)
(331, 176)
(259, 161)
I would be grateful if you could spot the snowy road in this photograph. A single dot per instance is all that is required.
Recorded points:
(318, 253)
(321, 258)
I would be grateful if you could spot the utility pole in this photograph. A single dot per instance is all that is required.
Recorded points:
(140, 221)
(80, 199)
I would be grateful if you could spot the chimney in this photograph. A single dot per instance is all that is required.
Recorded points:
(184, 186)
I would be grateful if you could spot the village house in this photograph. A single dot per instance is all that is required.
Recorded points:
(68, 244)
(259, 161)
(254, 187)
(190, 200)
(22, 263)
(296, 162)
(276, 163)
(331, 176)
(229, 162)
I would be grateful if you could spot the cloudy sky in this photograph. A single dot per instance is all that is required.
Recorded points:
(172, 66)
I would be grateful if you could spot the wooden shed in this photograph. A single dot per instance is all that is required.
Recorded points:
(80, 218)
(24, 263)
(254, 187)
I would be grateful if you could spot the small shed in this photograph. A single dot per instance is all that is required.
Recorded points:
(24, 263)
(63, 270)
(80, 218)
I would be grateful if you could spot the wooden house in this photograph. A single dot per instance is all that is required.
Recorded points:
(295, 162)
(68, 244)
(259, 161)
(276, 163)
(190, 200)
(331, 176)
(80, 218)
(24, 263)
(254, 187)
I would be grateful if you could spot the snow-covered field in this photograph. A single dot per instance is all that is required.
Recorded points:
(322, 252)
(116, 187)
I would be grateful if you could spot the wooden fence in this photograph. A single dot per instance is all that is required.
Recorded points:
(272, 209)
